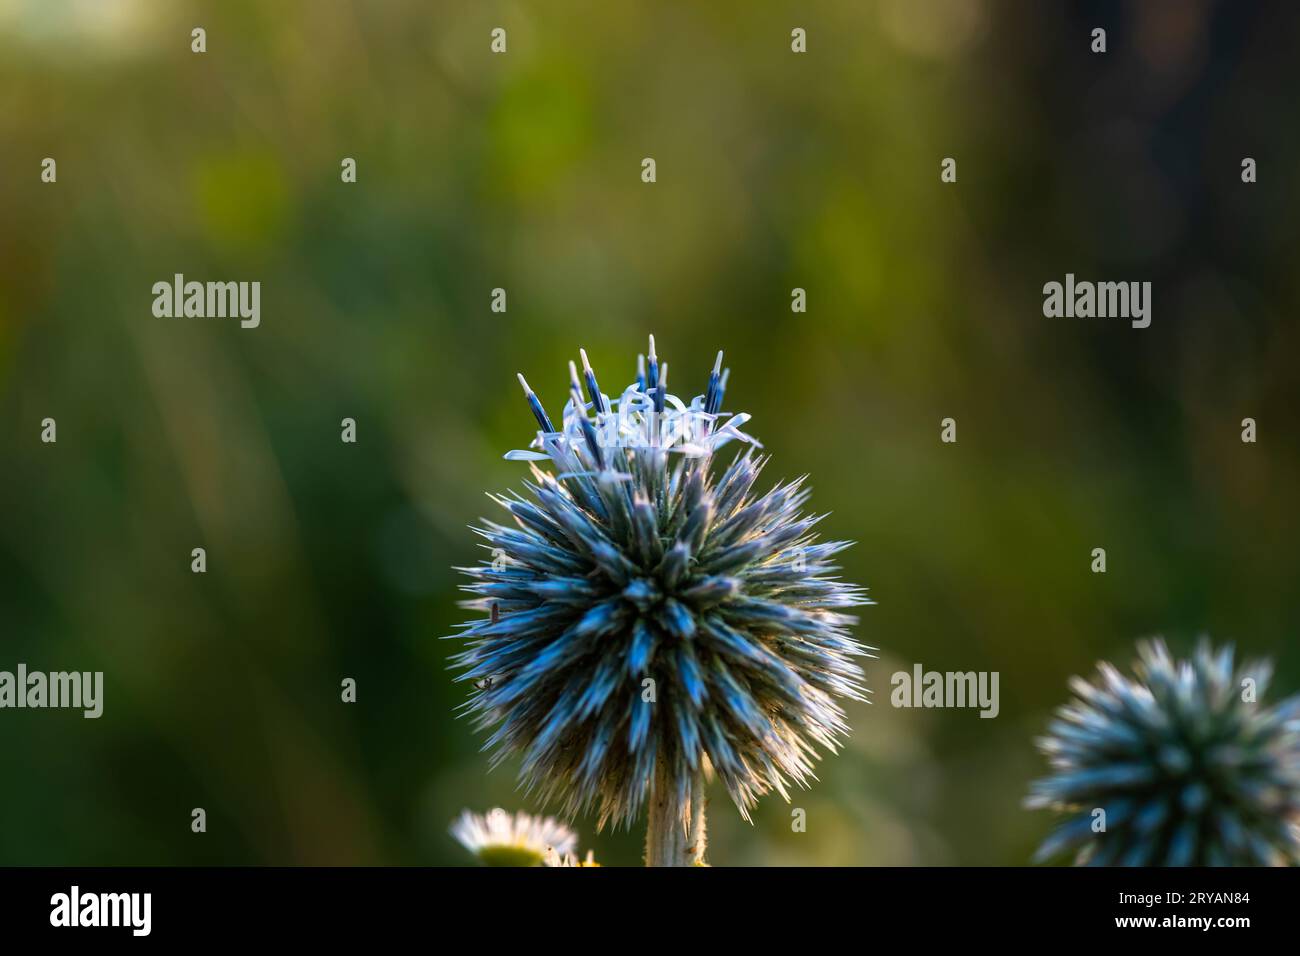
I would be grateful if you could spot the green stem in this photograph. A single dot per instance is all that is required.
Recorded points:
(675, 834)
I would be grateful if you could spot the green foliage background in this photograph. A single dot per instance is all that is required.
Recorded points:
(522, 171)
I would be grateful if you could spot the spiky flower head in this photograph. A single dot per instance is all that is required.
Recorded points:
(498, 839)
(643, 612)
(1190, 767)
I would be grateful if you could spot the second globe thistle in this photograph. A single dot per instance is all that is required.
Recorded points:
(647, 620)
(1185, 761)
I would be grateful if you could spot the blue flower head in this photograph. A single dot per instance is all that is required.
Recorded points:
(642, 610)
(1185, 762)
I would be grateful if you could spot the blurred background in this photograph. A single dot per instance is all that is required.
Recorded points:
(475, 171)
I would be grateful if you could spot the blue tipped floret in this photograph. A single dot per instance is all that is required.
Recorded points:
(588, 430)
(713, 395)
(543, 420)
(598, 403)
(654, 387)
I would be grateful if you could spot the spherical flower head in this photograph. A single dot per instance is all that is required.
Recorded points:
(499, 839)
(1187, 764)
(642, 611)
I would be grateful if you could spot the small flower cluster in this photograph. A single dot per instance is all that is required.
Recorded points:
(499, 839)
(646, 415)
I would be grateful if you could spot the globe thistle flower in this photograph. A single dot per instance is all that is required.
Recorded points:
(499, 839)
(648, 622)
(1188, 768)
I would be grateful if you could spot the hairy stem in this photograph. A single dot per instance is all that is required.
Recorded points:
(675, 833)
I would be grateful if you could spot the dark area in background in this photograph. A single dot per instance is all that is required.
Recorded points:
(521, 171)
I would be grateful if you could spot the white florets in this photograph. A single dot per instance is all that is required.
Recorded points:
(498, 837)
